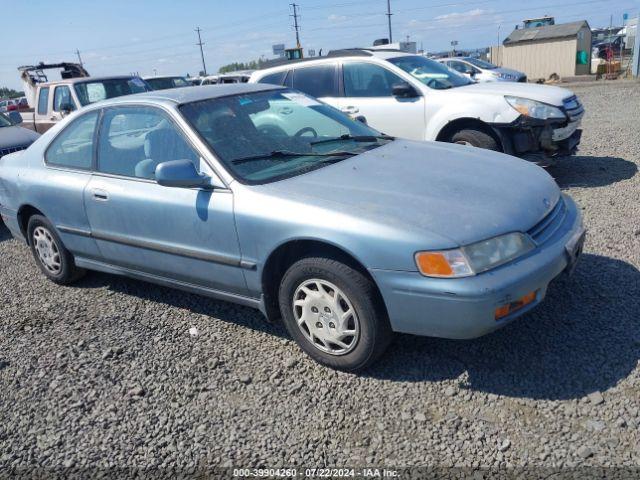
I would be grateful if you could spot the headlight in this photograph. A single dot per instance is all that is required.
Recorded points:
(504, 76)
(474, 258)
(533, 109)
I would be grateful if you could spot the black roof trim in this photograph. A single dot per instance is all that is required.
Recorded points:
(344, 52)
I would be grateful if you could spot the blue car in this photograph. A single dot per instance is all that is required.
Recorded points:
(266, 197)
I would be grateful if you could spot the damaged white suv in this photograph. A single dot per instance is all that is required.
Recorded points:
(410, 96)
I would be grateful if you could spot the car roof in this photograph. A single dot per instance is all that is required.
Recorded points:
(160, 77)
(193, 94)
(86, 79)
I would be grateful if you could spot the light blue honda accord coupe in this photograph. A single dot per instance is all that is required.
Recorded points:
(266, 197)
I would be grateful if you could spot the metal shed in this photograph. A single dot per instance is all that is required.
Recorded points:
(563, 49)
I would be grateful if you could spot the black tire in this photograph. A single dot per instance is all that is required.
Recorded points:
(475, 138)
(67, 272)
(375, 332)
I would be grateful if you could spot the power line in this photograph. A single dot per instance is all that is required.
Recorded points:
(204, 66)
(295, 22)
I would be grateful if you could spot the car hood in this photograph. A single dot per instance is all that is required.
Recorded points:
(540, 93)
(16, 137)
(453, 193)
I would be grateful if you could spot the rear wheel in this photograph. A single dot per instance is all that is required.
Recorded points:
(334, 313)
(475, 138)
(54, 260)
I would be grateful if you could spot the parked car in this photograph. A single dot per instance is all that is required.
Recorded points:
(7, 105)
(55, 100)
(13, 138)
(233, 77)
(282, 203)
(162, 83)
(609, 48)
(412, 97)
(482, 71)
(22, 104)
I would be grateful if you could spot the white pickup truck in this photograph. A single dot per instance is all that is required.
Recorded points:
(410, 96)
(51, 101)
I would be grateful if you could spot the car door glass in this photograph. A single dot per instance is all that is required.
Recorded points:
(135, 140)
(459, 67)
(62, 98)
(317, 81)
(274, 78)
(73, 148)
(43, 101)
(368, 80)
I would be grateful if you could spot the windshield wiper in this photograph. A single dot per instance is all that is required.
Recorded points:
(282, 154)
(355, 138)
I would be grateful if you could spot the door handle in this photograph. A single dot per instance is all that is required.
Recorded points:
(52, 118)
(99, 194)
(351, 110)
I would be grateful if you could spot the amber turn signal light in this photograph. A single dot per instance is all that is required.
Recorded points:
(507, 309)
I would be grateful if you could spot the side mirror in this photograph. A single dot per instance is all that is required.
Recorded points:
(361, 119)
(66, 108)
(15, 117)
(404, 90)
(180, 173)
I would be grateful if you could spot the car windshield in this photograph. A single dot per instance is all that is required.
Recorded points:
(4, 121)
(94, 91)
(433, 74)
(481, 63)
(162, 83)
(266, 136)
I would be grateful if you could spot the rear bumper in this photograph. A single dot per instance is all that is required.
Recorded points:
(465, 308)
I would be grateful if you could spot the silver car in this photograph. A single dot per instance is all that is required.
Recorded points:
(482, 71)
(264, 196)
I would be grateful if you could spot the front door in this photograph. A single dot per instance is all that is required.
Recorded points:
(185, 234)
(368, 93)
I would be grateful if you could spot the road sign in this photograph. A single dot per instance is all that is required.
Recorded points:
(278, 49)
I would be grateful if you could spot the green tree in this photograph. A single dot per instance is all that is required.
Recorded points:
(235, 66)
(10, 93)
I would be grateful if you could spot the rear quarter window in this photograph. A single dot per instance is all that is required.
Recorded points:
(318, 81)
(274, 78)
(73, 147)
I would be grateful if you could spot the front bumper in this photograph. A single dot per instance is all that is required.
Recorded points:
(542, 144)
(465, 307)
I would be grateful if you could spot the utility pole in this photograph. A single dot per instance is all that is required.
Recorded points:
(295, 22)
(389, 20)
(204, 66)
(79, 57)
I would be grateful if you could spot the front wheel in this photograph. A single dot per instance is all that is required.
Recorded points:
(334, 313)
(54, 260)
(475, 138)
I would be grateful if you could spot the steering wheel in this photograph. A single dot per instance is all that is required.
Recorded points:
(304, 130)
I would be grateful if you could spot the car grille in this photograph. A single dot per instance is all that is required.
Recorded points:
(546, 227)
(7, 151)
(574, 108)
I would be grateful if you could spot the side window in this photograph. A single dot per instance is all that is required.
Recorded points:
(62, 98)
(318, 81)
(368, 80)
(135, 140)
(461, 67)
(73, 147)
(43, 101)
(274, 78)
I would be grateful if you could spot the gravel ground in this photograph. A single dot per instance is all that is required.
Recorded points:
(107, 374)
